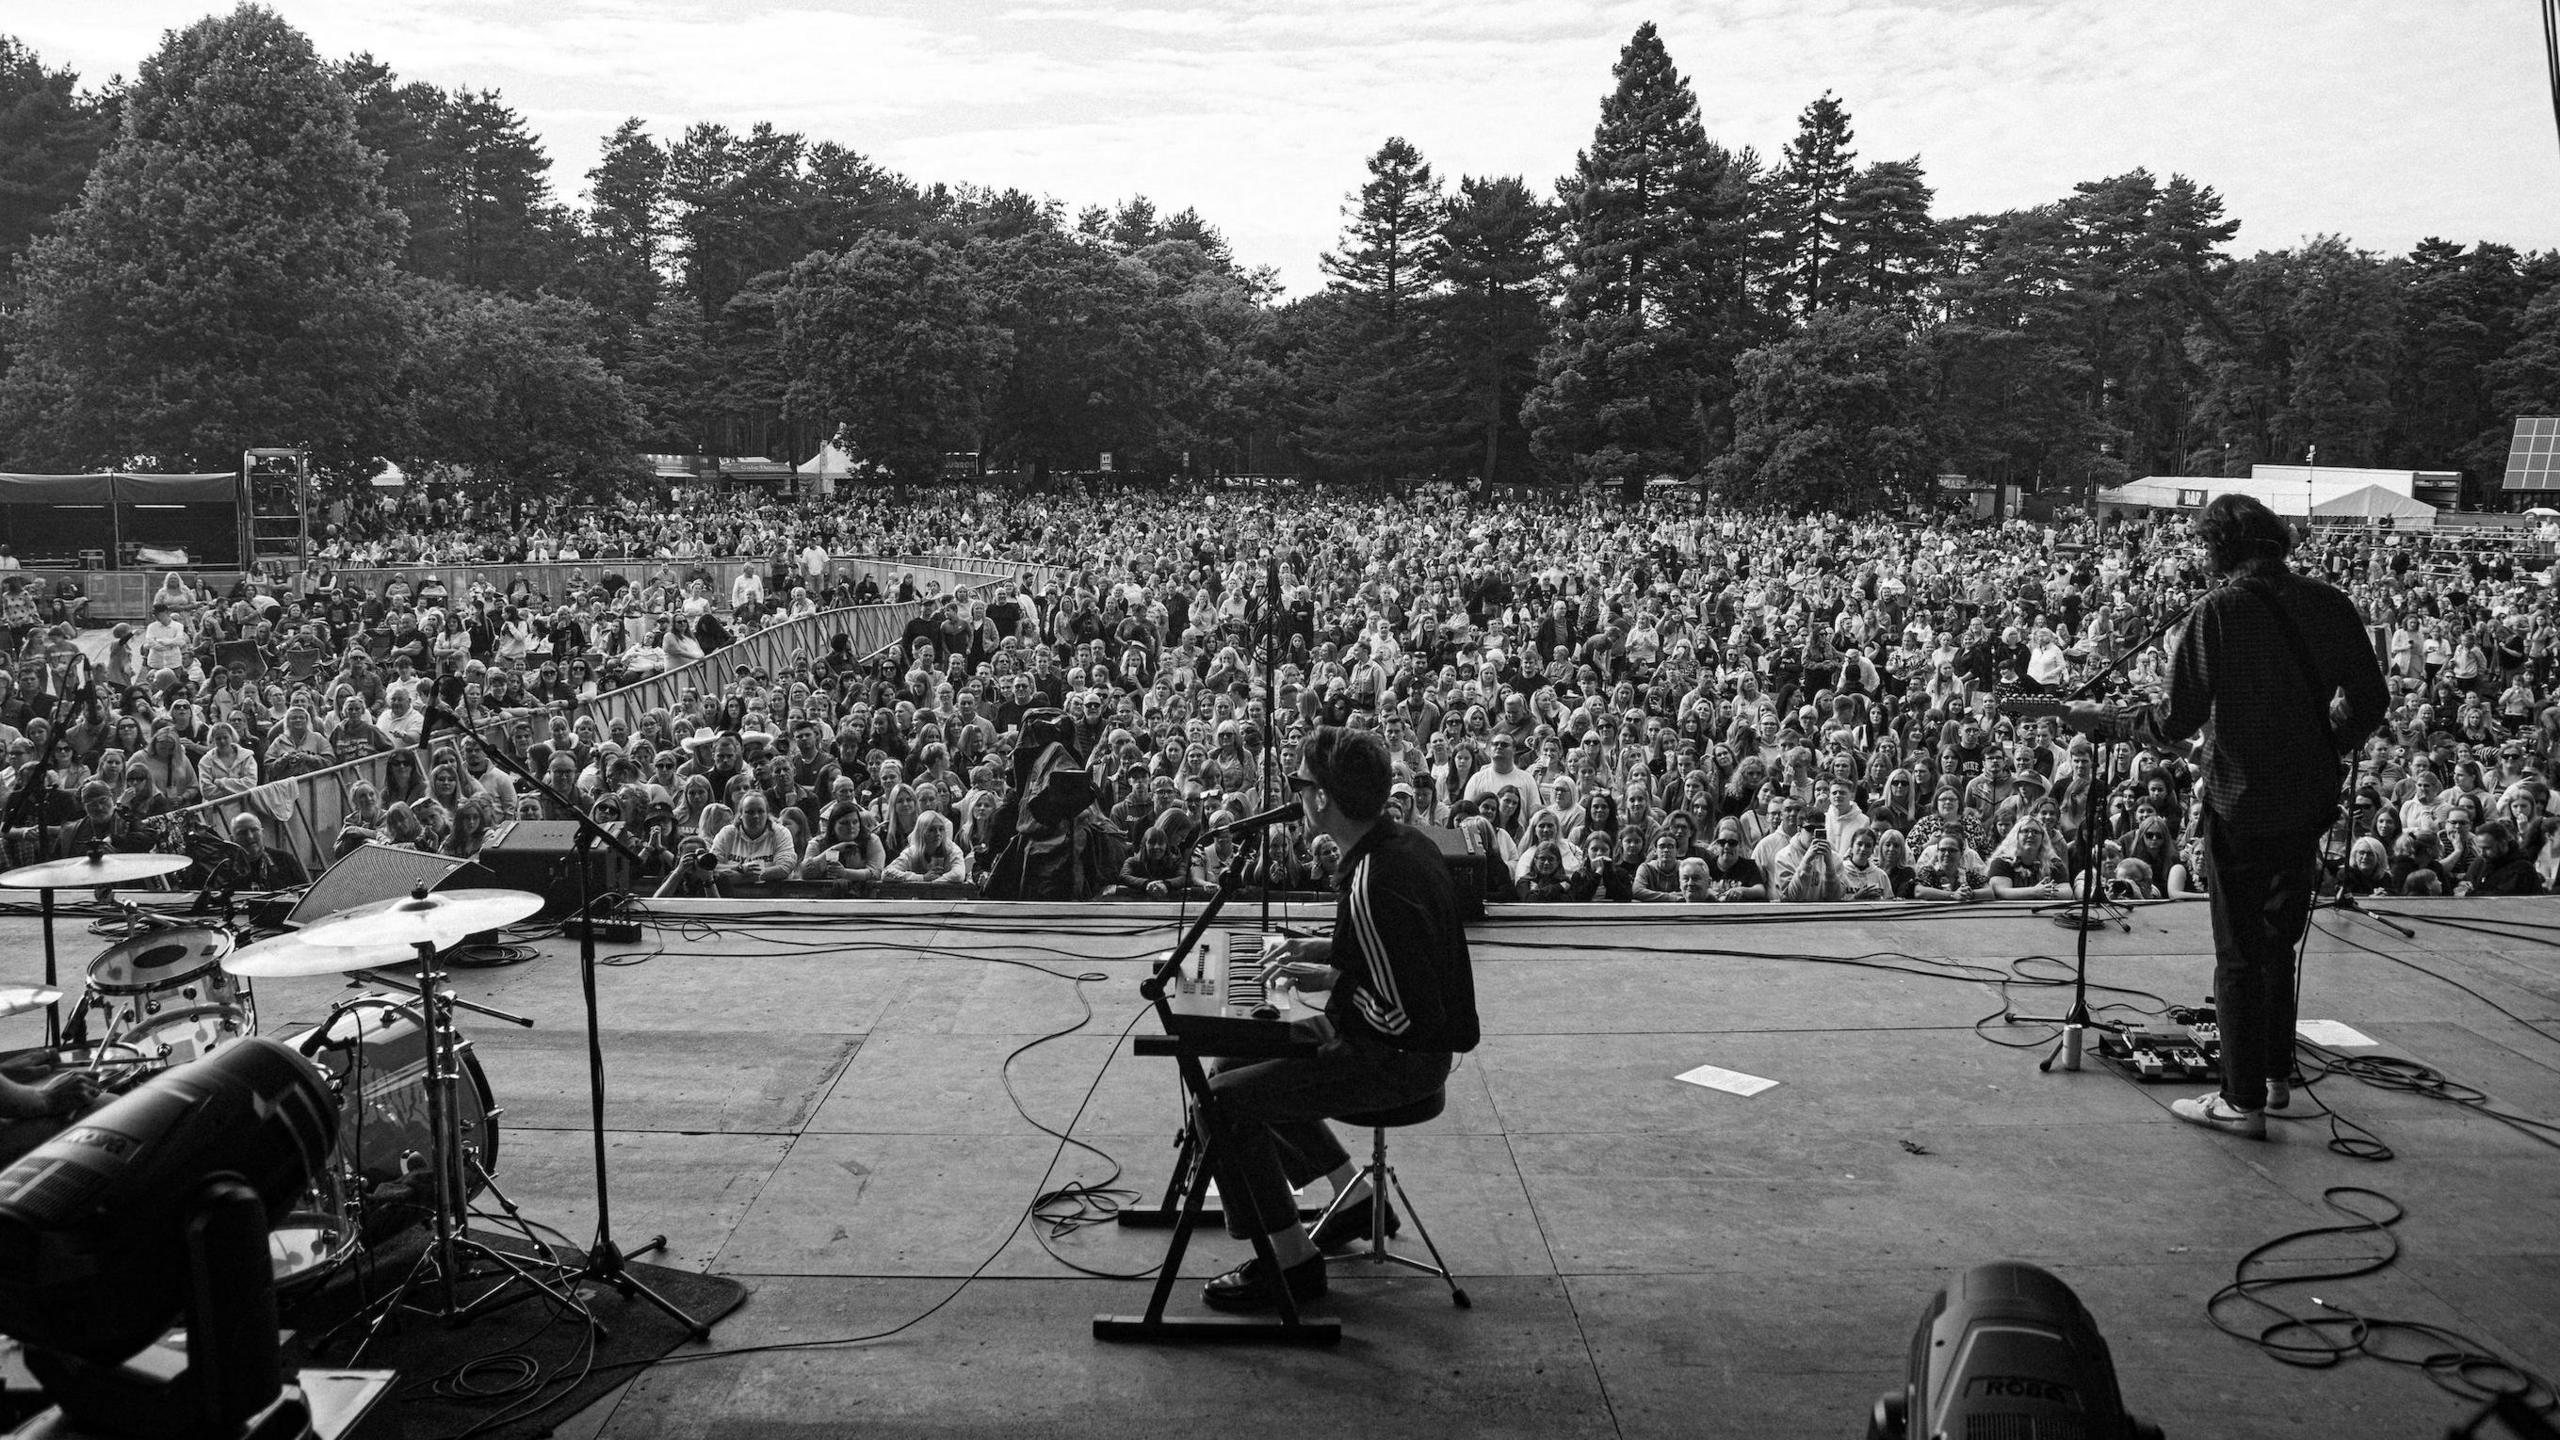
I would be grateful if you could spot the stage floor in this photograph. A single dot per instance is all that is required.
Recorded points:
(820, 1108)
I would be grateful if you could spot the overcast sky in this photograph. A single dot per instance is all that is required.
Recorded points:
(2381, 120)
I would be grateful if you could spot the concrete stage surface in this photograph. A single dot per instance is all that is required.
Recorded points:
(813, 1100)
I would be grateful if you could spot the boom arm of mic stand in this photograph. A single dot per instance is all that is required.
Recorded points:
(586, 822)
(2088, 687)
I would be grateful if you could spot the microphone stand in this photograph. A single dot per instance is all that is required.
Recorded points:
(605, 1259)
(34, 794)
(1270, 721)
(2334, 871)
(2078, 1021)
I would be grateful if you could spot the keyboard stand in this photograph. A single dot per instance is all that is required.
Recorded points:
(1167, 1211)
(1290, 1328)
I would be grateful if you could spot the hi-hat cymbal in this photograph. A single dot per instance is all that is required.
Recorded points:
(288, 956)
(87, 872)
(441, 919)
(19, 999)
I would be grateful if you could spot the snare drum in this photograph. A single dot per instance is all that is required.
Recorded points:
(164, 992)
(375, 1050)
(117, 1067)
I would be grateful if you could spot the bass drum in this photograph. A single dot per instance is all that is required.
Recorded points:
(374, 1048)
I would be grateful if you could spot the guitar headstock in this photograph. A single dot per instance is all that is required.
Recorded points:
(2029, 707)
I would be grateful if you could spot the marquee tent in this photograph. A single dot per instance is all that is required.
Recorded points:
(2375, 503)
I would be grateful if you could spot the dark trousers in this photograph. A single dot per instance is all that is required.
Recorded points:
(1268, 1134)
(2261, 897)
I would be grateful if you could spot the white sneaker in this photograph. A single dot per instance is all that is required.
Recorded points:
(2279, 1094)
(2215, 1113)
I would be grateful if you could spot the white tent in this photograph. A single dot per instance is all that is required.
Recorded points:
(2375, 503)
(2289, 490)
(389, 477)
(829, 468)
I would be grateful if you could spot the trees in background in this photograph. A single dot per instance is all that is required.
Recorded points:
(225, 280)
(893, 337)
(1661, 260)
(50, 134)
(248, 246)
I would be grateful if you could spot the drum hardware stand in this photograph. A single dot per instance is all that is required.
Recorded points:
(52, 1013)
(450, 1248)
(362, 979)
(133, 922)
(606, 1260)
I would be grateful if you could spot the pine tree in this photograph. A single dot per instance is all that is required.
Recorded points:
(1382, 262)
(2012, 392)
(1889, 247)
(506, 233)
(1656, 241)
(1376, 406)
(402, 123)
(1813, 189)
(623, 242)
(2461, 311)
(50, 134)
(736, 202)
(225, 281)
(1493, 258)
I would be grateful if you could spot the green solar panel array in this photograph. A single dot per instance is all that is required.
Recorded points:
(2533, 461)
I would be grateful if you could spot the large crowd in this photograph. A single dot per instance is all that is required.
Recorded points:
(1605, 700)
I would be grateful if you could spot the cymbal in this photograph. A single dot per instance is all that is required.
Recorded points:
(19, 999)
(87, 872)
(440, 919)
(288, 956)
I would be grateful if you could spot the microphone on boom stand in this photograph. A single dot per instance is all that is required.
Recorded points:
(1277, 814)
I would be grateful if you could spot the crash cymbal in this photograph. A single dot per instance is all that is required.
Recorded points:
(87, 872)
(287, 956)
(440, 919)
(20, 999)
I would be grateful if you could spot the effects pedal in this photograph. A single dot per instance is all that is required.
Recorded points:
(608, 932)
(2189, 1049)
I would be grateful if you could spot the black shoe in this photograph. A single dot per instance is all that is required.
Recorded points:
(1250, 1285)
(1350, 1225)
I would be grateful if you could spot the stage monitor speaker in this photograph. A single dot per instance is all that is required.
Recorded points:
(371, 873)
(536, 855)
(1466, 869)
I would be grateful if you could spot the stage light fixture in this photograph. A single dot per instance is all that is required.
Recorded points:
(2007, 1350)
(158, 1206)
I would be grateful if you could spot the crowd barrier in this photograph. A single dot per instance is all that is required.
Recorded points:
(127, 594)
(990, 569)
(552, 577)
(303, 813)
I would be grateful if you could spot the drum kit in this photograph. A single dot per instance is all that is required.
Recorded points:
(418, 1123)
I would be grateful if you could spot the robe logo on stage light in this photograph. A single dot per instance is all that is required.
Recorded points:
(2021, 1387)
(120, 1146)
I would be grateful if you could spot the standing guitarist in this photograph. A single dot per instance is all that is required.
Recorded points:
(2262, 659)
